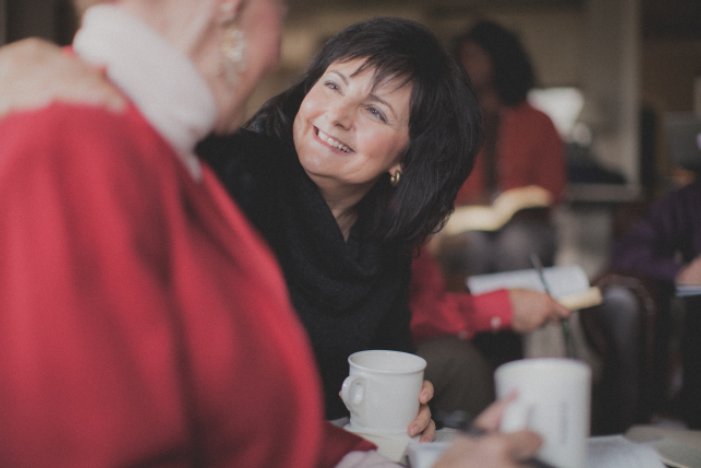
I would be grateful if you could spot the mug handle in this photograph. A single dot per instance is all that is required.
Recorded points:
(353, 392)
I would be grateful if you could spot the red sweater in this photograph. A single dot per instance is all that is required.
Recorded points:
(529, 152)
(436, 312)
(143, 322)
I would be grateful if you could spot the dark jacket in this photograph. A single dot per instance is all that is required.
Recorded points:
(350, 295)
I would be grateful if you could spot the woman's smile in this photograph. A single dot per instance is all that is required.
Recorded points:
(331, 141)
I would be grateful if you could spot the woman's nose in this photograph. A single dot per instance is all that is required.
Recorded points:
(341, 113)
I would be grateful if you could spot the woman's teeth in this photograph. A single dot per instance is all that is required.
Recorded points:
(333, 142)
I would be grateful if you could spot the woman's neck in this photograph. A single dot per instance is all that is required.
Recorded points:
(345, 220)
(344, 209)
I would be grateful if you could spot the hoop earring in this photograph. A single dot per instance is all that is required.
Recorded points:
(233, 46)
(395, 178)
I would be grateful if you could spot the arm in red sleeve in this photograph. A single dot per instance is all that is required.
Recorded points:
(437, 312)
(339, 443)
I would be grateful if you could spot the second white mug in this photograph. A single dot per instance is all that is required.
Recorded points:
(553, 399)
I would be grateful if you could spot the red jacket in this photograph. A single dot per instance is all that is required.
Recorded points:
(142, 320)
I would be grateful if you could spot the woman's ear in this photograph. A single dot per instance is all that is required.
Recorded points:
(395, 174)
(395, 168)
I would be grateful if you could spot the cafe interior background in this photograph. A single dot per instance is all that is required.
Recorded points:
(611, 72)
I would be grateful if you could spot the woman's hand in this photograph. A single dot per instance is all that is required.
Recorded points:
(423, 424)
(532, 309)
(493, 449)
(34, 72)
(691, 273)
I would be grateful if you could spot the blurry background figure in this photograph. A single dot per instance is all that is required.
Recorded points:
(521, 147)
(662, 252)
(643, 331)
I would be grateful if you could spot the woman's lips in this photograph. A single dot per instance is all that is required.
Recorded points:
(331, 141)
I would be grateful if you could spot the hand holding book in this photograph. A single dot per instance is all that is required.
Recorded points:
(532, 309)
(569, 285)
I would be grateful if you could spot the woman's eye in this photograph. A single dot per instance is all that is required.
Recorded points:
(331, 85)
(377, 113)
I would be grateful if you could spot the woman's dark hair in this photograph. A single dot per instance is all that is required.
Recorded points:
(513, 71)
(443, 127)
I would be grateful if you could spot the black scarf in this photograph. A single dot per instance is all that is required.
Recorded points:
(350, 295)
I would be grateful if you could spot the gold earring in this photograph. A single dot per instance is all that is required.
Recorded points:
(395, 178)
(233, 45)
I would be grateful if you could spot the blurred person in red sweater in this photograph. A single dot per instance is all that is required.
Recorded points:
(521, 147)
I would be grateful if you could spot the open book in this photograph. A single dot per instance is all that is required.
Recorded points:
(615, 451)
(493, 217)
(569, 285)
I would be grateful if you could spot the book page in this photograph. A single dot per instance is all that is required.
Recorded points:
(562, 280)
(569, 285)
(603, 452)
(583, 299)
(618, 452)
(493, 217)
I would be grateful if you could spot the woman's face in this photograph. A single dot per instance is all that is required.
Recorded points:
(349, 131)
(477, 64)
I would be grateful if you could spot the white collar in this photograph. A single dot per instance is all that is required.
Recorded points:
(158, 78)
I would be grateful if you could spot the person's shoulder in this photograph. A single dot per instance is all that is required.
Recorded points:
(526, 111)
(87, 141)
(66, 128)
(690, 193)
(530, 119)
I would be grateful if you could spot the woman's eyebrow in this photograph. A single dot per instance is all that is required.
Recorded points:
(373, 97)
(343, 77)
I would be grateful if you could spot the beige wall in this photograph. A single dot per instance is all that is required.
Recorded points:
(558, 62)
(669, 69)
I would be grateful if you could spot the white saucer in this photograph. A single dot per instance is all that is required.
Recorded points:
(392, 445)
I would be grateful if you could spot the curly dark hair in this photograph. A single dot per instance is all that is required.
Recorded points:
(513, 71)
(444, 126)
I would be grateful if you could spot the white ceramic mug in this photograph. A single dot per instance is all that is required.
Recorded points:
(382, 390)
(554, 400)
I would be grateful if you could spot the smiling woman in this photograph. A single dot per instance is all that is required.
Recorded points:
(347, 172)
(349, 131)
